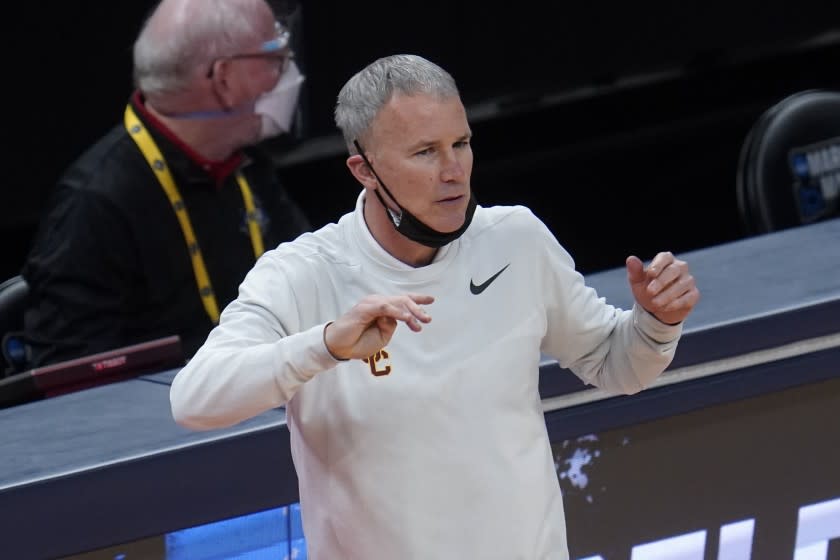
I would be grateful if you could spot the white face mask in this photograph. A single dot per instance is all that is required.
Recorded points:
(277, 107)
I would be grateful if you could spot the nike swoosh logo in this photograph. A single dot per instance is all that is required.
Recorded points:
(477, 289)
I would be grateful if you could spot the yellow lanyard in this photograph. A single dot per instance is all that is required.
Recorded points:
(150, 150)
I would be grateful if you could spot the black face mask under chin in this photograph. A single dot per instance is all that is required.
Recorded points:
(407, 223)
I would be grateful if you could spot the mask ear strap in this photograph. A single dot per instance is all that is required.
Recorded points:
(396, 218)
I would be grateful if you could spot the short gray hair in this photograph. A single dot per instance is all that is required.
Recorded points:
(364, 95)
(183, 37)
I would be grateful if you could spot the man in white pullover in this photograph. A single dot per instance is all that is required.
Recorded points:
(425, 440)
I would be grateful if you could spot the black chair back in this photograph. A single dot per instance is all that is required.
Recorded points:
(13, 295)
(789, 166)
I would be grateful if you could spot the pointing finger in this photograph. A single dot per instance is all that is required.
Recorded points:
(417, 311)
(422, 299)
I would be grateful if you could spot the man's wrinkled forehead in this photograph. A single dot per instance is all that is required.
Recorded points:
(408, 119)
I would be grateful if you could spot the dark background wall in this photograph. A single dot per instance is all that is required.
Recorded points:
(620, 125)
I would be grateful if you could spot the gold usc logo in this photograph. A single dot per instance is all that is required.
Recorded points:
(374, 363)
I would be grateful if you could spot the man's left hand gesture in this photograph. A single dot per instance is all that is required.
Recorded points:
(665, 288)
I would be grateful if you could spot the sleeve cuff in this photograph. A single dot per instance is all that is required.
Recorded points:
(653, 328)
(308, 356)
(324, 341)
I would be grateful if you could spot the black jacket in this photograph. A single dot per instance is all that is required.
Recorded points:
(109, 266)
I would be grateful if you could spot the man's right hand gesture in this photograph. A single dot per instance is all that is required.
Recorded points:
(369, 325)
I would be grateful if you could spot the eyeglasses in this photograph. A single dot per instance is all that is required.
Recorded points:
(275, 49)
(283, 60)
